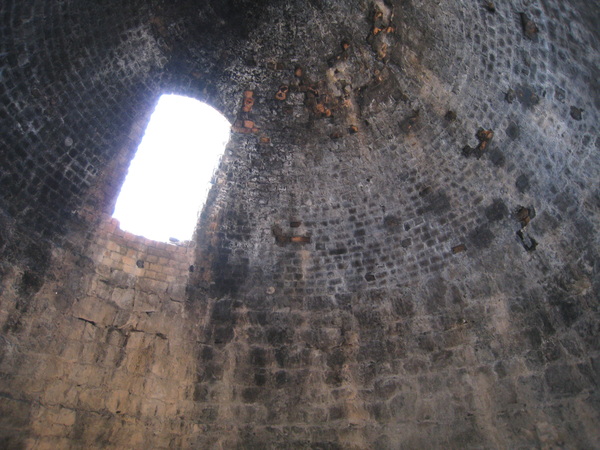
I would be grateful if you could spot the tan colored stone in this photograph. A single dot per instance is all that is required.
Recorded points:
(123, 298)
(128, 261)
(177, 292)
(132, 270)
(122, 401)
(92, 399)
(152, 286)
(153, 408)
(93, 309)
(145, 301)
(62, 416)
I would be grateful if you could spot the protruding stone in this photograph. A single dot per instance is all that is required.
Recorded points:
(510, 96)
(450, 116)
(282, 92)
(459, 248)
(530, 29)
(248, 104)
(576, 113)
(300, 239)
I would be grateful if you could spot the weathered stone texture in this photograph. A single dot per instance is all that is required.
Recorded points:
(112, 353)
(400, 249)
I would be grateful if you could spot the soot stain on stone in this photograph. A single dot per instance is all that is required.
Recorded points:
(512, 131)
(522, 183)
(496, 211)
(481, 237)
(527, 96)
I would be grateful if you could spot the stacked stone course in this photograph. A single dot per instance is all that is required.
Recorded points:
(400, 249)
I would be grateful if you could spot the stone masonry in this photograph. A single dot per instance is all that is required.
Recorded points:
(400, 248)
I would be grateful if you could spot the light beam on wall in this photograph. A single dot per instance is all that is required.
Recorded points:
(169, 177)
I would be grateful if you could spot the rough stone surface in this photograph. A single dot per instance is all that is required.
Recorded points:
(355, 281)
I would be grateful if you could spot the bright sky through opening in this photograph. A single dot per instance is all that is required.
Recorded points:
(169, 177)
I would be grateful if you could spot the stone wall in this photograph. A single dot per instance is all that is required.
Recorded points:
(111, 362)
(400, 249)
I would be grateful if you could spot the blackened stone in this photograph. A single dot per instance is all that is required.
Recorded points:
(31, 282)
(563, 379)
(281, 378)
(277, 335)
(481, 237)
(527, 96)
(489, 5)
(551, 351)
(441, 359)
(258, 357)
(500, 369)
(337, 413)
(410, 122)
(200, 392)
(595, 362)
(222, 311)
(497, 157)
(528, 242)
(438, 203)
(425, 342)
(530, 29)
(566, 202)
(391, 222)
(533, 337)
(525, 215)
(223, 334)
(576, 113)
(251, 394)
(260, 378)
(522, 183)
(512, 130)
(459, 248)
(207, 353)
(496, 211)
(403, 307)
(281, 356)
(510, 96)
(570, 311)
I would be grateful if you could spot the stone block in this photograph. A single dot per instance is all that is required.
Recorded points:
(92, 399)
(123, 298)
(122, 402)
(152, 286)
(177, 292)
(61, 416)
(563, 379)
(94, 310)
(144, 301)
(152, 408)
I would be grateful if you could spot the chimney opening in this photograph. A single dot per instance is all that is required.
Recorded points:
(169, 177)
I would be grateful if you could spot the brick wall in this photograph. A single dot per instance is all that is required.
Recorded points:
(400, 249)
